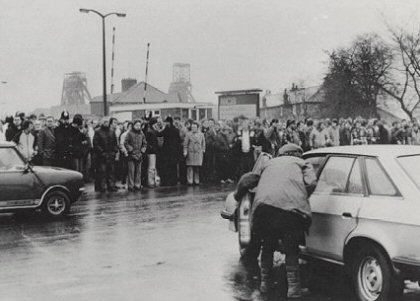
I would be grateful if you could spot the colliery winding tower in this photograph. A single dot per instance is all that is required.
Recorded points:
(75, 90)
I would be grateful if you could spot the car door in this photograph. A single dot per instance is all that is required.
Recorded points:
(17, 186)
(335, 204)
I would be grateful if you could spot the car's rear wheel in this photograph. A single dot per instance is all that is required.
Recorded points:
(373, 276)
(56, 204)
(249, 242)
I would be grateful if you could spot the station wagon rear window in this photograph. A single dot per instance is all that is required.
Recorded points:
(411, 165)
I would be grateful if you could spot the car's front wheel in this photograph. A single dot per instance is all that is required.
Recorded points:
(56, 204)
(373, 276)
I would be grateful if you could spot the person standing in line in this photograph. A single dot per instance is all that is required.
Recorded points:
(105, 147)
(124, 153)
(2, 131)
(63, 142)
(151, 151)
(79, 143)
(46, 143)
(170, 153)
(14, 128)
(25, 141)
(221, 147)
(135, 143)
(194, 149)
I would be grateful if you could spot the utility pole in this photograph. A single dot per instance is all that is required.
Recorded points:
(147, 68)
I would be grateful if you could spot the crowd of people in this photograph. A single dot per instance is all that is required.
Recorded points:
(153, 151)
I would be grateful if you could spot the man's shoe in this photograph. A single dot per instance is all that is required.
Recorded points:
(130, 189)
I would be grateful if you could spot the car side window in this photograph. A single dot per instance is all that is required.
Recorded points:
(316, 162)
(378, 180)
(355, 185)
(335, 175)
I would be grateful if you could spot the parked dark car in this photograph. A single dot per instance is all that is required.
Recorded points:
(28, 188)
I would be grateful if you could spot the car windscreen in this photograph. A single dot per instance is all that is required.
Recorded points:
(411, 165)
(9, 159)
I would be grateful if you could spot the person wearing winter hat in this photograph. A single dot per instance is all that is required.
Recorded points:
(63, 141)
(281, 210)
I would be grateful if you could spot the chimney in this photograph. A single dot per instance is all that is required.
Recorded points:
(127, 83)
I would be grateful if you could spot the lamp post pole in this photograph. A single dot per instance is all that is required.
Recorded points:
(83, 10)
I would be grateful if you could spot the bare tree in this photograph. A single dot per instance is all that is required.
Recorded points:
(403, 86)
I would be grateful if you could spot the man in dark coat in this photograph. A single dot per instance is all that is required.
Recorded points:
(14, 128)
(64, 142)
(105, 147)
(46, 143)
(281, 210)
(170, 153)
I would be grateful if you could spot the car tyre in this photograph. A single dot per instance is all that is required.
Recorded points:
(249, 242)
(373, 276)
(56, 204)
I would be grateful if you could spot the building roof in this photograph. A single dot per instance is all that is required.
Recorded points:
(136, 94)
(233, 92)
(109, 97)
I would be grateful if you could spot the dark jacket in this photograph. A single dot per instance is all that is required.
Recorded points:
(171, 143)
(345, 136)
(105, 143)
(136, 145)
(66, 142)
(152, 142)
(221, 142)
(11, 132)
(46, 143)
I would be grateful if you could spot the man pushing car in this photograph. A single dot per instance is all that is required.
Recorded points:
(281, 210)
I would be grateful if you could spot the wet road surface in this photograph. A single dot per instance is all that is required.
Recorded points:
(165, 244)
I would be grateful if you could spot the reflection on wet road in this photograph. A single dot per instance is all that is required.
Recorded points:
(169, 244)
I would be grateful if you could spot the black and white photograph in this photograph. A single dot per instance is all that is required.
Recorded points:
(210, 150)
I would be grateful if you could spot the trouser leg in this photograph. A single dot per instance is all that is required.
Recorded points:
(196, 170)
(131, 171)
(151, 170)
(101, 174)
(137, 175)
(190, 174)
(110, 174)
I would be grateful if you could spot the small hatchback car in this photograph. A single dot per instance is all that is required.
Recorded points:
(366, 216)
(24, 187)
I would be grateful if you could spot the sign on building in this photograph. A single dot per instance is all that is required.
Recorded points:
(239, 103)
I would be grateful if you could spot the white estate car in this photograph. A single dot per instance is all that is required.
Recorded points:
(366, 216)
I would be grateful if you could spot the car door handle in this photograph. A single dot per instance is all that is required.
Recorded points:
(346, 215)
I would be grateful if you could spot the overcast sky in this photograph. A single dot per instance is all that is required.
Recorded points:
(230, 44)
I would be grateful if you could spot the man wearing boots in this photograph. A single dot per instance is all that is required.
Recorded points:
(281, 211)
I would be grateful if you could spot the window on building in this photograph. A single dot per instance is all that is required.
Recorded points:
(193, 114)
(184, 114)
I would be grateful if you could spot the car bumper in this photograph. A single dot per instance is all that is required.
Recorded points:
(408, 267)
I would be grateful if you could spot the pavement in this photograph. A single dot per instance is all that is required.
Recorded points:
(162, 244)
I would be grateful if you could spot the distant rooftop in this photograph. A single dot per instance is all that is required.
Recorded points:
(235, 92)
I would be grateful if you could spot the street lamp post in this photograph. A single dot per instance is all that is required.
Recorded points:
(83, 10)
